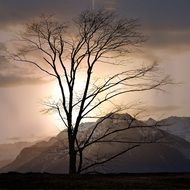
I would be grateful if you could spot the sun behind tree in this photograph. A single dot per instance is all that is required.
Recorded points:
(65, 52)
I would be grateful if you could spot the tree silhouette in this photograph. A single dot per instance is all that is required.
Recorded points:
(63, 51)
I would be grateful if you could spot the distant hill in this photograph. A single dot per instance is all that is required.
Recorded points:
(9, 151)
(179, 126)
(165, 153)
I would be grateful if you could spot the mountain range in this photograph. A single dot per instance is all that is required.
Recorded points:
(163, 148)
(179, 126)
(9, 151)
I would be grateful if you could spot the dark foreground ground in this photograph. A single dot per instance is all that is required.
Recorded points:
(98, 182)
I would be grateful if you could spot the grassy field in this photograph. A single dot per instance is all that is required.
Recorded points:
(98, 182)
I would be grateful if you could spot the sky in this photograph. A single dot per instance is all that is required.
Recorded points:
(165, 22)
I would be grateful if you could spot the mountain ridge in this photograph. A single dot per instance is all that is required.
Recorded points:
(169, 153)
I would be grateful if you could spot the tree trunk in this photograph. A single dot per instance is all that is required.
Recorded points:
(80, 162)
(72, 156)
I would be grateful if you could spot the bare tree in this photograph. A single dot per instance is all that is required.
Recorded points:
(94, 39)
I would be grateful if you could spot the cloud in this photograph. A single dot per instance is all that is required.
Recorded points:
(167, 26)
(29, 138)
(3, 60)
(154, 14)
(18, 11)
(159, 112)
(13, 75)
(179, 39)
(14, 139)
(164, 109)
(16, 80)
(110, 5)
(167, 22)
(158, 14)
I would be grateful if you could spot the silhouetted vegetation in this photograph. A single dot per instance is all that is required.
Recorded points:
(94, 181)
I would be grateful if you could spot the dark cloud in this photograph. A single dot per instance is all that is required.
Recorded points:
(7, 80)
(153, 13)
(3, 60)
(171, 39)
(166, 23)
(2, 47)
(12, 74)
(158, 14)
(21, 10)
